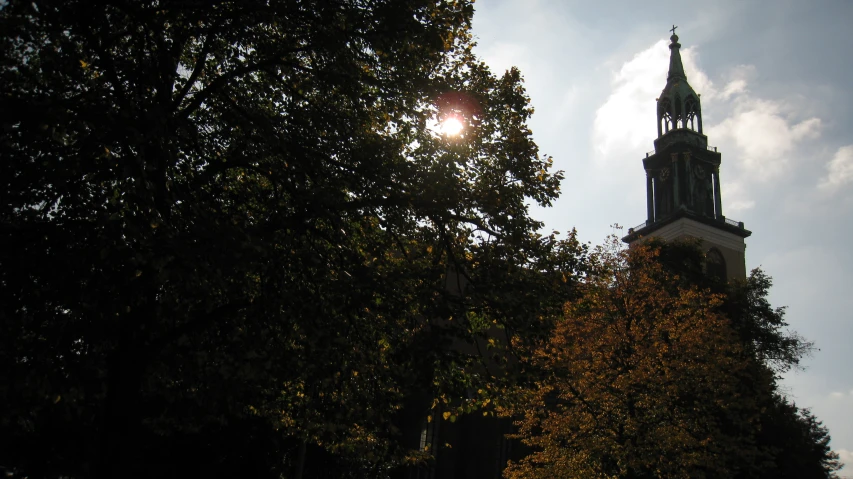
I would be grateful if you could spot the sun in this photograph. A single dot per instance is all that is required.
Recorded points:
(451, 126)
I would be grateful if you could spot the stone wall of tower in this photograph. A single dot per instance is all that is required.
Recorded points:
(731, 246)
(683, 176)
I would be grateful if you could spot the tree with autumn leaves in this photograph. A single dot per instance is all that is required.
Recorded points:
(647, 376)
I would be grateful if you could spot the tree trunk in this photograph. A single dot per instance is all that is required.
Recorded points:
(300, 460)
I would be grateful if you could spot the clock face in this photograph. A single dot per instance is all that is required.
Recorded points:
(664, 174)
(699, 171)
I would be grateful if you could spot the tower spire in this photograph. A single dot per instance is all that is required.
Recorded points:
(676, 68)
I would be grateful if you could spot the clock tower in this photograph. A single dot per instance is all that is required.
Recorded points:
(683, 180)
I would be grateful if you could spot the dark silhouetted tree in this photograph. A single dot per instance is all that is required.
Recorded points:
(226, 227)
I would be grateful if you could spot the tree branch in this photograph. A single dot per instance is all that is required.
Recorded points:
(199, 64)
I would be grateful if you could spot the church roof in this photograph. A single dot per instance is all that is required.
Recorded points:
(679, 107)
(676, 80)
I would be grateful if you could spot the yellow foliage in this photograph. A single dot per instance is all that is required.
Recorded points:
(647, 376)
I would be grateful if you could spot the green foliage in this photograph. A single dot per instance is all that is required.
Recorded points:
(229, 225)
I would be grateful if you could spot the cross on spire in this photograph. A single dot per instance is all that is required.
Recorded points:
(673, 29)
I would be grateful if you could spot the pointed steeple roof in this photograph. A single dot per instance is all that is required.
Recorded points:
(676, 68)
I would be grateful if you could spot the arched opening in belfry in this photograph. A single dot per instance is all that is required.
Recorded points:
(678, 114)
(715, 264)
(691, 110)
(664, 117)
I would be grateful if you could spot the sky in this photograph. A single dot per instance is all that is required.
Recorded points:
(775, 85)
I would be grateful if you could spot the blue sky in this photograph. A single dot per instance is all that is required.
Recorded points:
(775, 82)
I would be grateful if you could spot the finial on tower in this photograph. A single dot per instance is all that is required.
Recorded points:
(676, 69)
(674, 37)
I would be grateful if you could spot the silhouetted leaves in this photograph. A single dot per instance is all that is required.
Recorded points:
(230, 224)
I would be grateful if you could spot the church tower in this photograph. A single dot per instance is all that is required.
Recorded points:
(683, 179)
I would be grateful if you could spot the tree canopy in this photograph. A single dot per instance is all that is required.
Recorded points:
(657, 370)
(227, 229)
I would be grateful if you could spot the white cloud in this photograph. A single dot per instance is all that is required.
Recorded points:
(845, 456)
(504, 55)
(839, 169)
(624, 125)
(763, 136)
(737, 197)
(737, 81)
(839, 394)
(734, 87)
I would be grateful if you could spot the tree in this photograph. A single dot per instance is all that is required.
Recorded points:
(798, 442)
(791, 440)
(761, 327)
(659, 370)
(642, 378)
(225, 229)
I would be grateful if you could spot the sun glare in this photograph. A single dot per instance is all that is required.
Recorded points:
(451, 126)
